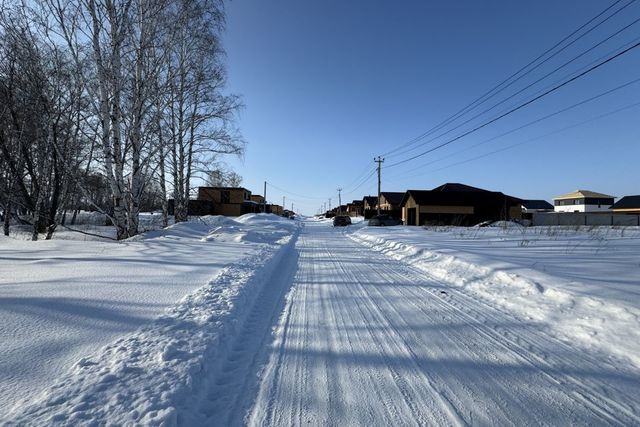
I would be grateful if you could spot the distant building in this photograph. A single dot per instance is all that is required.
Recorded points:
(390, 203)
(228, 201)
(458, 204)
(369, 204)
(257, 198)
(627, 205)
(355, 208)
(583, 201)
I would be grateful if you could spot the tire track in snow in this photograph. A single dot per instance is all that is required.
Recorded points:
(366, 332)
(231, 383)
(532, 348)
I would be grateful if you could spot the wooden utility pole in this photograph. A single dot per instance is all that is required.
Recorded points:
(264, 202)
(379, 161)
(339, 201)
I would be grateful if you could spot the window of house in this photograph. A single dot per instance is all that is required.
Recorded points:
(225, 197)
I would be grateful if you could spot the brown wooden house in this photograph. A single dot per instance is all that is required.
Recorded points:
(229, 201)
(458, 204)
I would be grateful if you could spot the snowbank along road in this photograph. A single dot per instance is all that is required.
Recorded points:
(320, 329)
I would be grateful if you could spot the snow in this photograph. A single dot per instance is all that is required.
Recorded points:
(365, 339)
(582, 283)
(61, 300)
(263, 320)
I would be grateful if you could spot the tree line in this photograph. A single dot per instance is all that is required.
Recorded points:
(112, 106)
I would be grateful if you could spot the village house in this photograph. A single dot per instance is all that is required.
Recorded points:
(229, 201)
(369, 204)
(354, 208)
(390, 203)
(529, 207)
(583, 201)
(627, 205)
(458, 204)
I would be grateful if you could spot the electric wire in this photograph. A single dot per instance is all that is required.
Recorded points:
(488, 95)
(526, 87)
(522, 105)
(619, 110)
(538, 120)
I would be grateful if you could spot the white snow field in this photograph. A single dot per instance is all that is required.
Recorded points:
(315, 325)
(62, 302)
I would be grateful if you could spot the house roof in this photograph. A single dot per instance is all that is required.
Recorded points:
(627, 202)
(394, 198)
(357, 203)
(454, 186)
(455, 195)
(581, 194)
(371, 200)
(537, 204)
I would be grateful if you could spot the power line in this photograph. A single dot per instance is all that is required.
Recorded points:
(528, 86)
(538, 120)
(619, 110)
(481, 100)
(524, 104)
(295, 194)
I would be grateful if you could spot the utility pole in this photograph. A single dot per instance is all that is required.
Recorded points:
(329, 203)
(339, 201)
(283, 205)
(292, 208)
(379, 161)
(264, 202)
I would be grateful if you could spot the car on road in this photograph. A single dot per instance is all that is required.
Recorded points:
(341, 220)
(384, 220)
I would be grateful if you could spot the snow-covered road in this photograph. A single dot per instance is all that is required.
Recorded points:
(366, 340)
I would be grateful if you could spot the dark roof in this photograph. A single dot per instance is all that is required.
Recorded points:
(456, 197)
(372, 200)
(226, 188)
(454, 186)
(394, 198)
(537, 204)
(627, 202)
(357, 203)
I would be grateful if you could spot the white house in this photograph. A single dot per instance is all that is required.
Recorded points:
(583, 201)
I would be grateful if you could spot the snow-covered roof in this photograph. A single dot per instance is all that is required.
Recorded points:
(581, 194)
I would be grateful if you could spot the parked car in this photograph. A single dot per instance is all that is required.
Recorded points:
(384, 220)
(341, 221)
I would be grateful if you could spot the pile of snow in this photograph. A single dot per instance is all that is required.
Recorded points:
(583, 284)
(63, 301)
(252, 228)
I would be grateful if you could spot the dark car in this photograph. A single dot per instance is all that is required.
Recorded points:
(384, 220)
(341, 221)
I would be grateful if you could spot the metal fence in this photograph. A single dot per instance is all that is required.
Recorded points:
(576, 218)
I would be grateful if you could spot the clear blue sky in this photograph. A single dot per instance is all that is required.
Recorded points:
(327, 85)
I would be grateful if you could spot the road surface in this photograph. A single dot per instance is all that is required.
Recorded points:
(362, 339)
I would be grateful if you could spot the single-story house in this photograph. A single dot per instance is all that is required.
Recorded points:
(355, 208)
(390, 203)
(583, 201)
(458, 204)
(627, 205)
(369, 206)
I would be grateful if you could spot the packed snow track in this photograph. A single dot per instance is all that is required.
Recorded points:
(366, 340)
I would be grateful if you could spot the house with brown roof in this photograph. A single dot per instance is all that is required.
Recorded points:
(583, 201)
(458, 204)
